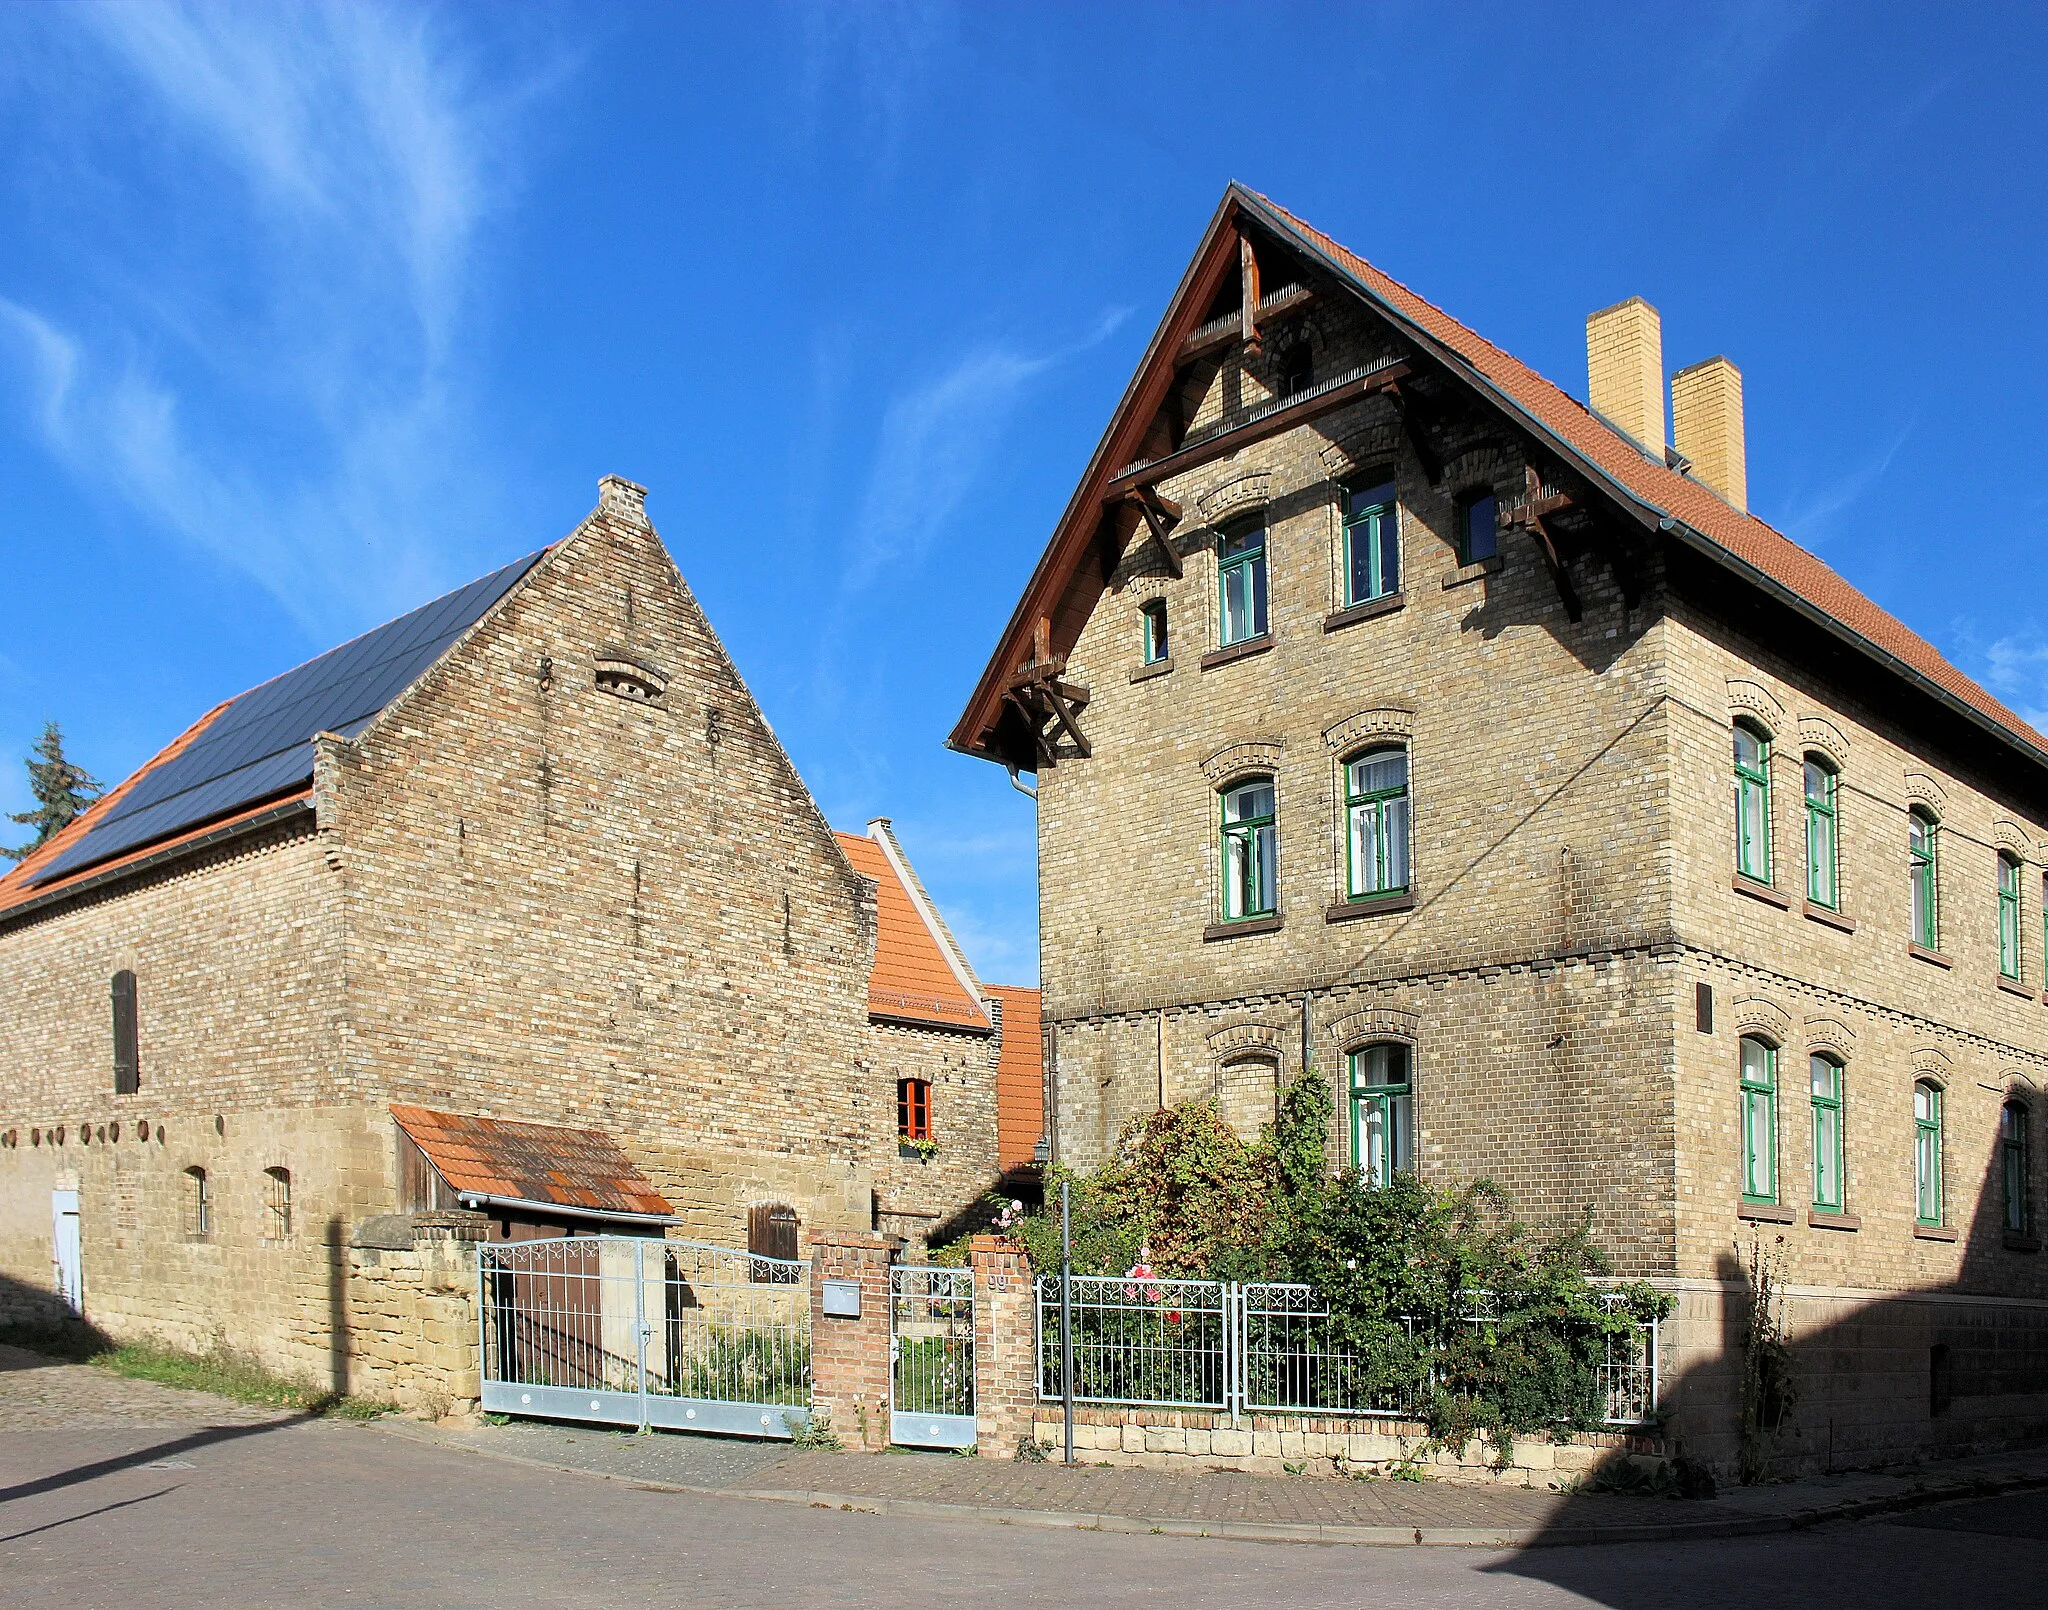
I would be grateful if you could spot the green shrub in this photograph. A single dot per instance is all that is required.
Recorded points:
(1452, 1308)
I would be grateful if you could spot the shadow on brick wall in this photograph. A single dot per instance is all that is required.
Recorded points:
(1943, 1371)
(33, 1317)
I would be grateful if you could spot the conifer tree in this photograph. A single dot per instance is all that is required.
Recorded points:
(62, 791)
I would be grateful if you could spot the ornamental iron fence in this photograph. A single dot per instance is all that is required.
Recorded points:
(931, 1356)
(1271, 1347)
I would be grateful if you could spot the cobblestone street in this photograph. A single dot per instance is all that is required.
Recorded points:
(119, 1493)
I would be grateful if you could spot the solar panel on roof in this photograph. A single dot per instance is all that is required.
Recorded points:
(261, 744)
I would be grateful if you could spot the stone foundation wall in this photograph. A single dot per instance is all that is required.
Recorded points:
(1276, 1444)
(412, 1336)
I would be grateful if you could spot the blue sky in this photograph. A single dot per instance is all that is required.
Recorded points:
(310, 313)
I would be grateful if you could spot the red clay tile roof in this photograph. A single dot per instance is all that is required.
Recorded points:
(1743, 535)
(14, 887)
(578, 1168)
(1740, 541)
(1020, 1076)
(910, 980)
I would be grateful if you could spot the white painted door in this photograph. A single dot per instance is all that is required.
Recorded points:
(64, 1249)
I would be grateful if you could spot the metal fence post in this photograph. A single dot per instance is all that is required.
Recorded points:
(640, 1321)
(1067, 1321)
(483, 1321)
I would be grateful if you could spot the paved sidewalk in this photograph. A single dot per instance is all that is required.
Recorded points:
(1221, 1503)
(42, 1394)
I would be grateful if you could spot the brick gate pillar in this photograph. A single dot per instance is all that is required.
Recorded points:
(1005, 1345)
(850, 1352)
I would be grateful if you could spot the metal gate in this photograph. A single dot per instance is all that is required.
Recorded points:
(628, 1330)
(931, 1356)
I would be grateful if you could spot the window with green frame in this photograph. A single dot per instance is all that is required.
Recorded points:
(1372, 540)
(2009, 917)
(1478, 532)
(1376, 815)
(2013, 1162)
(1759, 1120)
(1826, 1083)
(1923, 851)
(1927, 1152)
(1152, 631)
(1382, 1112)
(1823, 837)
(1241, 582)
(1250, 851)
(1752, 802)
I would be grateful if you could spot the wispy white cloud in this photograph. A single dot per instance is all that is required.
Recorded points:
(1810, 516)
(935, 442)
(291, 400)
(2016, 669)
(1725, 63)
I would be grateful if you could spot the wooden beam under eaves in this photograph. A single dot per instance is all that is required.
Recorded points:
(1229, 330)
(1529, 514)
(1160, 522)
(1226, 442)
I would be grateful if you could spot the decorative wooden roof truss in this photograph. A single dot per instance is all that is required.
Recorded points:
(1588, 493)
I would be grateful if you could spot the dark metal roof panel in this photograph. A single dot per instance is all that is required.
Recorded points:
(261, 744)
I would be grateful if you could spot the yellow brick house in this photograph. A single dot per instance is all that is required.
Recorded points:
(1399, 717)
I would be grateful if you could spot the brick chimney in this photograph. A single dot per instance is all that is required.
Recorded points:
(1625, 370)
(1706, 426)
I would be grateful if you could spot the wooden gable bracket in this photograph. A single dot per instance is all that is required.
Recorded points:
(1161, 515)
(1416, 425)
(1529, 514)
(1050, 706)
(1248, 283)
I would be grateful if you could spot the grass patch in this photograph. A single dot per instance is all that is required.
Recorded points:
(222, 1372)
(229, 1375)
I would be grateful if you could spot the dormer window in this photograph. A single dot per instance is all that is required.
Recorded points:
(628, 679)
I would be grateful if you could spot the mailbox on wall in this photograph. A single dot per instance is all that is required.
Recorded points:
(842, 1299)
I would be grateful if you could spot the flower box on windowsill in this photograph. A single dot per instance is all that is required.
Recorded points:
(921, 1151)
(1145, 673)
(1765, 1212)
(1933, 1232)
(1371, 905)
(1761, 891)
(1829, 917)
(1833, 1221)
(1933, 957)
(1369, 609)
(1242, 926)
(2013, 986)
(1236, 651)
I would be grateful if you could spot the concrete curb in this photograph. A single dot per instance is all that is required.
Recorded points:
(1280, 1531)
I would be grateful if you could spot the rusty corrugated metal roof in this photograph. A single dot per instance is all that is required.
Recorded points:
(572, 1168)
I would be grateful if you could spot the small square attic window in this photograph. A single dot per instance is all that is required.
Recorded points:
(628, 679)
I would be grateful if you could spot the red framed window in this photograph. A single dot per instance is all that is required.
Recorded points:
(914, 1109)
